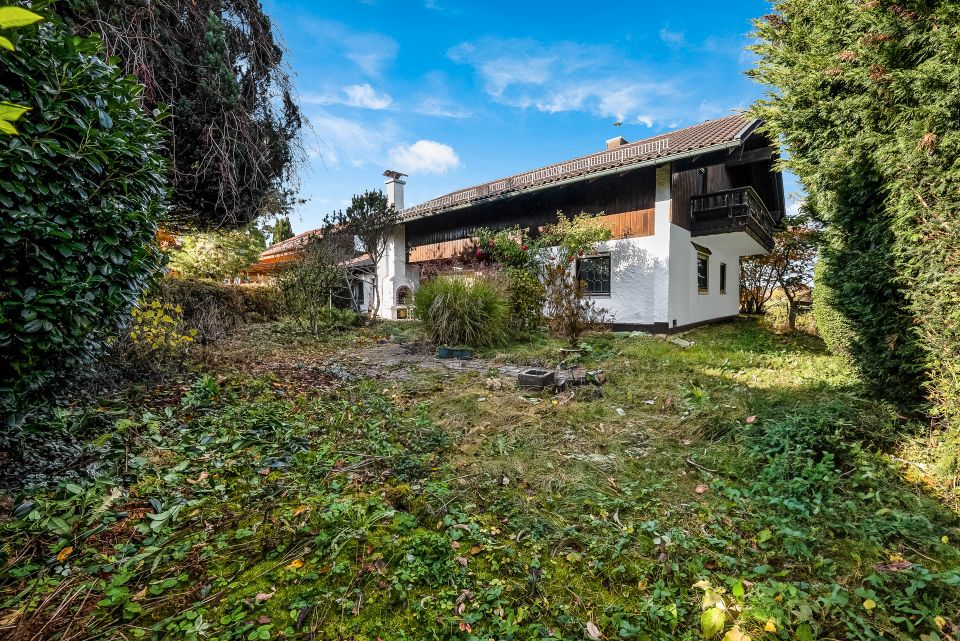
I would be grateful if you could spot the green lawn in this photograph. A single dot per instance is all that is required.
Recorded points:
(735, 487)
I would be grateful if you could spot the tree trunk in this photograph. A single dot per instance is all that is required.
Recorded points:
(792, 316)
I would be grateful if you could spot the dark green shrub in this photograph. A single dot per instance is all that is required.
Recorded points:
(867, 95)
(339, 319)
(832, 326)
(457, 311)
(81, 190)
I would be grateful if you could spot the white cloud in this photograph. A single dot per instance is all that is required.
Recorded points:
(676, 38)
(363, 96)
(370, 51)
(366, 96)
(568, 76)
(349, 141)
(424, 156)
(444, 108)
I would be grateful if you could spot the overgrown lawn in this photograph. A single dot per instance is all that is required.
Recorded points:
(734, 487)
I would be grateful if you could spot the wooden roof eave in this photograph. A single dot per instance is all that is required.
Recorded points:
(584, 177)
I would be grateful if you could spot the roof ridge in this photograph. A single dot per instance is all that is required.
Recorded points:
(628, 153)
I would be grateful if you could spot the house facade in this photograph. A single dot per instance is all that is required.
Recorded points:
(683, 208)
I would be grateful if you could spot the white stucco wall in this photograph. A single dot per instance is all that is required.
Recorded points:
(638, 276)
(687, 304)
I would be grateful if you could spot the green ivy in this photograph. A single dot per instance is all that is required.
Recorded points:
(81, 190)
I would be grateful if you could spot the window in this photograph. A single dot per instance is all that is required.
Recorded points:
(723, 278)
(703, 271)
(595, 273)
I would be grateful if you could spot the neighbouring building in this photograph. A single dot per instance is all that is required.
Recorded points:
(683, 208)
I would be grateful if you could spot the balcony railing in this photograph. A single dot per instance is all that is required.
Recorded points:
(730, 211)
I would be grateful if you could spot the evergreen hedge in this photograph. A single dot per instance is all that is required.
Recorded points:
(81, 189)
(866, 96)
(832, 325)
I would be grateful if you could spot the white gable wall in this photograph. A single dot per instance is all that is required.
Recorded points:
(687, 304)
(640, 268)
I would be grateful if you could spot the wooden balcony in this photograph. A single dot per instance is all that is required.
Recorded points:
(732, 211)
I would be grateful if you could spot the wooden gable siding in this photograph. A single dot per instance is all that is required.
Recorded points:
(626, 225)
(460, 248)
(625, 201)
(693, 182)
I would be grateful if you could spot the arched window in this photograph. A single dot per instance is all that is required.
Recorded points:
(404, 295)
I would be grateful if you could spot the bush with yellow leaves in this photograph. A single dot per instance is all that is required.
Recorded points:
(159, 332)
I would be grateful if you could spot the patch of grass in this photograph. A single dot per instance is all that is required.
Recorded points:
(742, 474)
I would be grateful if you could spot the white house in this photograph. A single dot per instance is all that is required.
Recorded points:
(683, 208)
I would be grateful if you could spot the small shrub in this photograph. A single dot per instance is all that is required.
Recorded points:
(317, 281)
(211, 308)
(158, 331)
(569, 310)
(458, 311)
(339, 319)
(525, 292)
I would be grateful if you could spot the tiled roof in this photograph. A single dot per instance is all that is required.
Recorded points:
(291, 244)
(729, 129)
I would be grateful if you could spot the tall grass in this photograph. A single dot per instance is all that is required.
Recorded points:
(457, 311)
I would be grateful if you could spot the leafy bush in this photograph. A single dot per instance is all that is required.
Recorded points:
(81, 190)
(217, 254)
(339, 319)
(260, 302)
(214, 309)
(458, 311)
(158, 329)
(570, 312)
(525, 292)
(317, 281)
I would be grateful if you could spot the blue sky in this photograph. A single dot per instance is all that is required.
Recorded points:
(457, 93)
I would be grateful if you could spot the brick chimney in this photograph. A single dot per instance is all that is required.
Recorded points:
(394, 185)
(613, 143)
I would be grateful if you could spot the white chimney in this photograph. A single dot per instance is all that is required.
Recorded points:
(394, 185)
(613, 143)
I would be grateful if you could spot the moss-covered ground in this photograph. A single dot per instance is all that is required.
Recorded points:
(740, 487)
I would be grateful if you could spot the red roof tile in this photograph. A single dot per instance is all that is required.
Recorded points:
(729, 129)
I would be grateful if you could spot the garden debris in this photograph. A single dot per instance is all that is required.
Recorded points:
(493, 383)
(597, 377)
(620, 411)
(680, 342)
(535, 378)
(701, 489)
(589, 393)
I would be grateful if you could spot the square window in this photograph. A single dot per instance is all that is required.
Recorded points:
(595, 274)
(723, 278)
(703, 271)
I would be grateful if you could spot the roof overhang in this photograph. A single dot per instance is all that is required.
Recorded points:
(652, 162)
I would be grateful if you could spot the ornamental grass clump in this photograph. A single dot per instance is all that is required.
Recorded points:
(458, 311)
